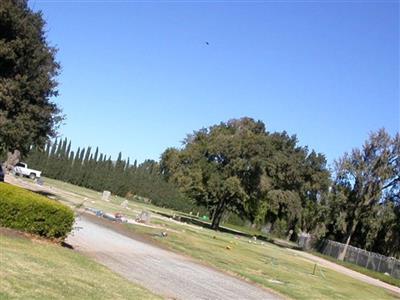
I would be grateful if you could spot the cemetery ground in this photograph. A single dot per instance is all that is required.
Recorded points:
(33, 268)
(273, 267)
(371, 273)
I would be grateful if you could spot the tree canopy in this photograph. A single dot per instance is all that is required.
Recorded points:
(365, 201)
(239, 167)
(27, 79)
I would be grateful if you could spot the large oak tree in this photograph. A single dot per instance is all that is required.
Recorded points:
(239, 167)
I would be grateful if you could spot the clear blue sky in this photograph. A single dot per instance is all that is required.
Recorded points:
(138, 76)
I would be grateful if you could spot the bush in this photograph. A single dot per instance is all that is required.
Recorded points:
(234, 219)
(24, 210)
(280, 228)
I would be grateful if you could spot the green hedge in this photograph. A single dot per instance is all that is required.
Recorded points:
(27, 211)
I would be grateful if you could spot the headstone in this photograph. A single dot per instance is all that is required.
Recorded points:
(109, 216)
(124, 204)
(266, 229)
(144, 217)
(304, 241)
(106, 196)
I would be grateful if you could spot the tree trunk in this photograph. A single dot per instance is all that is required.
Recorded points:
(12, 160)
(348, 239)
(217, 215)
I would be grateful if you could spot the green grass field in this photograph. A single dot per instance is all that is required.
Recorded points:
(266, 264)
(39, 270)
(368, 272)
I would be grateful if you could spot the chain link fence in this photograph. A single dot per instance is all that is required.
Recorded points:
(363, 258)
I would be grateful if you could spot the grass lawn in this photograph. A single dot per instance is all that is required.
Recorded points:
(90, 198)
(39, 270)
(266, 264)
(357, 268)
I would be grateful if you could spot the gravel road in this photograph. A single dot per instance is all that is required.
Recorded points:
(163, 272)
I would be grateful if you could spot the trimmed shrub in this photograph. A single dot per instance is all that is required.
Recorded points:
(27, 211)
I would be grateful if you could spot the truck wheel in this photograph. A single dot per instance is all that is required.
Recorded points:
(32, 176)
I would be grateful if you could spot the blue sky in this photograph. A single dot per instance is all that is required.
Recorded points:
(138, 76)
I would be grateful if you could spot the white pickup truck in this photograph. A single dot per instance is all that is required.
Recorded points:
(23, 170)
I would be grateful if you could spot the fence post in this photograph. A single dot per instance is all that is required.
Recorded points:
(369, 257)
(379, 264)
(341, 249)
(330, 248)
(358, 253)
(393, 267)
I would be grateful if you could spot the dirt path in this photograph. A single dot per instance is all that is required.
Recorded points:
(338, 268)
(161, 271)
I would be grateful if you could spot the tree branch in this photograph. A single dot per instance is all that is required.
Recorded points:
(393, 182)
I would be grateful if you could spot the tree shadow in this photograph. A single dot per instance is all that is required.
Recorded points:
(66, 245)
(46, 194)
(204, 224)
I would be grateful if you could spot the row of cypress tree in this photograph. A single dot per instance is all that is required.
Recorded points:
(95, 170)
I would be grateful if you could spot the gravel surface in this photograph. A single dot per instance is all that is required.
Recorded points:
(161, 271)
(96, 246)
(346, 271)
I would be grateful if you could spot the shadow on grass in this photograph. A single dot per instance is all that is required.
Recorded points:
(66, 245)
(46, 194)
(207, 225)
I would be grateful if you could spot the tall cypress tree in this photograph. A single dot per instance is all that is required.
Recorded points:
(99, 172)
(76, 167)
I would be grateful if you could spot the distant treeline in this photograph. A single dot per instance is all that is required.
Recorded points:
(263, 179)
(98, 171)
